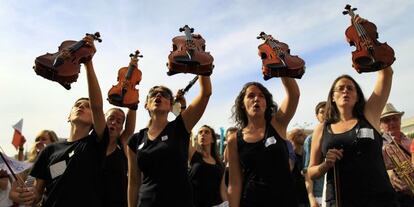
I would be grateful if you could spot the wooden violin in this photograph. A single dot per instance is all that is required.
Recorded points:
(370, 55)
(189, 55)
(277, 60)
(64, 65)
(124, 94)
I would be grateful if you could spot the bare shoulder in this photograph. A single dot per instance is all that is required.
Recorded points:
(232, 139)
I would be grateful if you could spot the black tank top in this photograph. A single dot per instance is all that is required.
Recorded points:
(205, 179)
(362, 172)
(267, 180)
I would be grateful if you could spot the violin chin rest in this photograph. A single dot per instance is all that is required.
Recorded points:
(186, 61)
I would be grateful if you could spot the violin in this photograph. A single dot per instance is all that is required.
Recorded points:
(124, 94)
(277, 60)
(370, 55)
(189, 55)
(64, 65)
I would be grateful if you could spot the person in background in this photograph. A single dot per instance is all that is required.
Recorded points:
(390, 124)
(297, 137)
(206, 170)
(314, 187)
(43, 138)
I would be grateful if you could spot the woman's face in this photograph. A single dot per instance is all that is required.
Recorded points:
(44, 139)
(159, 100)
(204, 136)
(344, 93)
(254, 101)
(115, 122)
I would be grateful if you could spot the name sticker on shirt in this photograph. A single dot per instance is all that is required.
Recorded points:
(71, 153)
(269, 141)
(140, 146)
(57, 169)
(364, 133)
(165, 137)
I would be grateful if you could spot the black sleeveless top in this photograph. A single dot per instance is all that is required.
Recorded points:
(362, 174)
(164, 165)
(115, 178)
(267, 180)
(205, 179)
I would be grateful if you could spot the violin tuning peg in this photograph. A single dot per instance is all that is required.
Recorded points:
(347, 7)
(345, 12)
(131, 55)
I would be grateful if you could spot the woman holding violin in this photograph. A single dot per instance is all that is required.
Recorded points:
(348, 145)
(160, 152)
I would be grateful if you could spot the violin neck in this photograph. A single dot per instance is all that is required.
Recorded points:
(75, 47)
(130, 69)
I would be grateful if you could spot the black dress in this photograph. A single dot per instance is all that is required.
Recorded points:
(362, 175)
(267, 180)
(205, 179)
(164, 163)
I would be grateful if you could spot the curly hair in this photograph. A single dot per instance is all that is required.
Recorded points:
(239, 113)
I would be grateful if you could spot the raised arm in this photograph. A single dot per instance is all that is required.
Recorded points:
(129, 129)
(379, 96)
(195, 110)
(134, 178)
(288, 106)
(95, 95)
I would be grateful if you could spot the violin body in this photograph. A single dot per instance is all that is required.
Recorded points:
(189, 56)
(370, 54)
(124, 94)
(277, 60)
(64, 65)
(377, 57)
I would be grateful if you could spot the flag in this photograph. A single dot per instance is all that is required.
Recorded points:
(221, 140)
(18, 138)
(15, 165)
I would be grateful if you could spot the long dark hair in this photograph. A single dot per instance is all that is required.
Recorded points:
(332, 114)
(213, 146)
(239, 114)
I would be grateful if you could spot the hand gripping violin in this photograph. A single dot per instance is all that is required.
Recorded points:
(64, 65)
(124, 94)
(277, 61)
(189, 55)
(370, 55)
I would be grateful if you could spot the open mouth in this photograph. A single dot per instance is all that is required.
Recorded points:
(157, 100)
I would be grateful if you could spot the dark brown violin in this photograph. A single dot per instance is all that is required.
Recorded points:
(124, 94)
(64, 66)
(370, 55)
(189, 55)
(277, 60)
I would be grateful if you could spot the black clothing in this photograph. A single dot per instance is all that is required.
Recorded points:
(115, 179)
(79, 184)
(267, 180)
(362, 175)
(205, 179)
(164, 164)
(299, 181)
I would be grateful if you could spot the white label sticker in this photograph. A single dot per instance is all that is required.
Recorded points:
(141, 145)
(364, 133)
(165, 137)
(57, 169)
(269, 141)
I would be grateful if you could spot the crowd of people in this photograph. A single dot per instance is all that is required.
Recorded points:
(346, 161)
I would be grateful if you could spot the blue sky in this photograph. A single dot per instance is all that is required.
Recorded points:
(314, 30)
